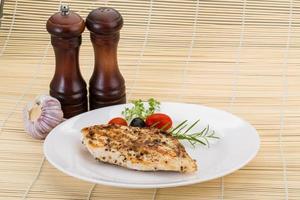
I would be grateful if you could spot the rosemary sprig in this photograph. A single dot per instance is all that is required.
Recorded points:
(201, 137)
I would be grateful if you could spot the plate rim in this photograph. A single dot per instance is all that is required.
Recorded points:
(162, 185)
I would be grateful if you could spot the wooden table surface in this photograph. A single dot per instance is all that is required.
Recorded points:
(238, 55)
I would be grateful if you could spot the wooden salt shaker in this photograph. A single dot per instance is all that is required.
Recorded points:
(67, 84)
(107, 85)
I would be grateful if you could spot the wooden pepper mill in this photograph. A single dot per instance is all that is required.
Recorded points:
(107, 85)
(67, 84)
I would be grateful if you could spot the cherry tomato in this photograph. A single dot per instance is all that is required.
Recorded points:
(118, 121)
(159, 120)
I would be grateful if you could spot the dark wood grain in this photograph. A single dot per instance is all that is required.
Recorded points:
(67, 84)
(107, 85)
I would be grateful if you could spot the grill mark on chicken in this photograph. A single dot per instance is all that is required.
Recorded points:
(146, 149)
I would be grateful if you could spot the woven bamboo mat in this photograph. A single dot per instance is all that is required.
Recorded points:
(237, 55)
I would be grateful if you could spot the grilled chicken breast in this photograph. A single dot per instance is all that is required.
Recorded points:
(145, 149)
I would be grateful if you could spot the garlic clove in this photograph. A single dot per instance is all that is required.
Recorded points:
(42, 115)
(35, 112)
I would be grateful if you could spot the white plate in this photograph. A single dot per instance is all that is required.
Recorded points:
(238, 145)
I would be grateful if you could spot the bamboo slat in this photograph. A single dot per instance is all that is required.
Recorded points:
(237, 55)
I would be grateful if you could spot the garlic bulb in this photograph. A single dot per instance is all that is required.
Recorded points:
(42, 115)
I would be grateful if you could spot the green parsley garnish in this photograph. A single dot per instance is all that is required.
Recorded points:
(139, 110)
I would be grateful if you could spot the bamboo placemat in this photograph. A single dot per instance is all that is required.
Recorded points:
(237, 55)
